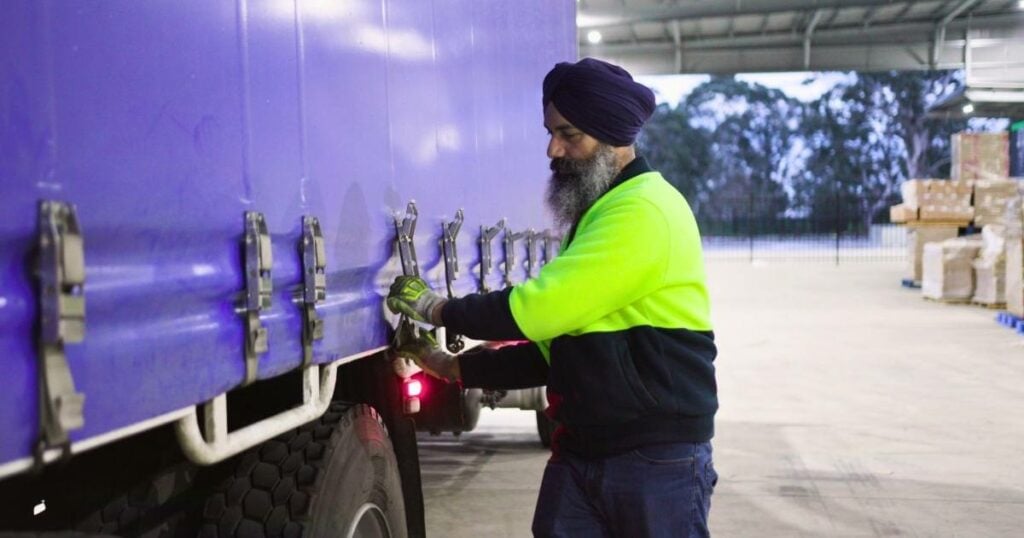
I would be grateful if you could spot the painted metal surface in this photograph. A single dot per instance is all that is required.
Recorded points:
(163, 122)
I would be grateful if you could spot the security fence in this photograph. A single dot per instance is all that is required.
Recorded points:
(746, 229)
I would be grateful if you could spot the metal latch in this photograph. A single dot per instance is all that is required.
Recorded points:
(314, 265)
(510, 253)
(533, 239)
(405, 231)
(449, 236)
(405, 237)
(549, 246)
(62, 321)
(259, 260)
(486, 261)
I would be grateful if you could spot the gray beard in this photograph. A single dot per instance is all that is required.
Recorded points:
(576, 184)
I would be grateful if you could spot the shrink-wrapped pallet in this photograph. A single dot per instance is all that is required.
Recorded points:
(947, 270)
(990, 266)
(917, 237)
(980, 156)
(1015, 276)
(1013, 218)
(990, 199)
(1015, 258)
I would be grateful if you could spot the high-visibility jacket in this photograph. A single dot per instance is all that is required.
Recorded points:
(619, 324)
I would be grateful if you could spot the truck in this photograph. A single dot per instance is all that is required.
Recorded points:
(202, 205)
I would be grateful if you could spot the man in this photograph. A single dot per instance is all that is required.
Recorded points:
(618, 326)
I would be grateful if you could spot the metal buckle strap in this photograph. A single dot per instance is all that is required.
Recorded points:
(532, 241)
(314, 261)
(405, 231)
(449, 237)
(486, 262)
(510, 253)
(259, 261)
(62, 321)
(551, 242)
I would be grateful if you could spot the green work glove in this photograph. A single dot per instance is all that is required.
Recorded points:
(424, 351)
(412, 297)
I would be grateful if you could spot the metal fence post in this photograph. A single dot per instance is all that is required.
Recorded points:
(839, 224)
(750, 226)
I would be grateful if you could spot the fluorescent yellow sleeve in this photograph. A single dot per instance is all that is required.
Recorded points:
(618, 255)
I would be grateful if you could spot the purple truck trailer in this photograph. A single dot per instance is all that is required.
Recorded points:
(202, 204)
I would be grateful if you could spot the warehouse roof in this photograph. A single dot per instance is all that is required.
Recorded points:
(729, 36)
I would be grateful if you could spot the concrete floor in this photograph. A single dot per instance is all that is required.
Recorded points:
(850, 407)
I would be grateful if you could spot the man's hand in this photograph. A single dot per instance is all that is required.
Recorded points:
(411, 296)
(425, 352)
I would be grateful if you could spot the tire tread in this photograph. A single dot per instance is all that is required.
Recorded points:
(275, 485)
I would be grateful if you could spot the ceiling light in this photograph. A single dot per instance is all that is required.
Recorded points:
(594, 37)
(1020, 4)
(968, 108)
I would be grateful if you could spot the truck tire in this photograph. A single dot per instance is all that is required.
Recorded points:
(471, 407)
(54, 534)
(336, 476)
(545, 428)
(153, 507)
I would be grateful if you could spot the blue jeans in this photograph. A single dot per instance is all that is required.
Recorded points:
(658, 490)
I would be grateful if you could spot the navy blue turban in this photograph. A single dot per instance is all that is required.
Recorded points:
(600, 99)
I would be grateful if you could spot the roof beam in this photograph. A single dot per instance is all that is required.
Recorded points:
(904, 32)
(903, 12)
(832, 18)
(941, 8)
(678, 42)
(868, 13)
(692, 9)
(808, 32)
(940, 28)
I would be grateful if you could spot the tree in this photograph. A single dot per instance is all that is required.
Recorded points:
(866, 137)
(679, 150)
(750, 128)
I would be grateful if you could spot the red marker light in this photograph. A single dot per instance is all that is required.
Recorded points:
(413, 388)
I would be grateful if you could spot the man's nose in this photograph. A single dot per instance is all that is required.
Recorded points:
(555, 149)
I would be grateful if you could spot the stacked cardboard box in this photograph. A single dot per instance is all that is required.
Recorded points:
(900, 213)
(1015, 257)
(1015, 276)
(935, 200)
(990, 199)
(980, 156)
(990, 266)
(947, 271)
(917, 237)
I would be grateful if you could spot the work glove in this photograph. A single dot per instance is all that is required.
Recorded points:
(425, 352)
(412, 297)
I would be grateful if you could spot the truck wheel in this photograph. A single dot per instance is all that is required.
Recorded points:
(471, 408)
(153, 507)
(545, 428)
(336, 476)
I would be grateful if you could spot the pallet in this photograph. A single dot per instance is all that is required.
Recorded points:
(926, 223)
(990, 306)
(947, 301)
(1011, 321)
(911, 283)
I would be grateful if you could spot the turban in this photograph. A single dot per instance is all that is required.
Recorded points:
(600, 99)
